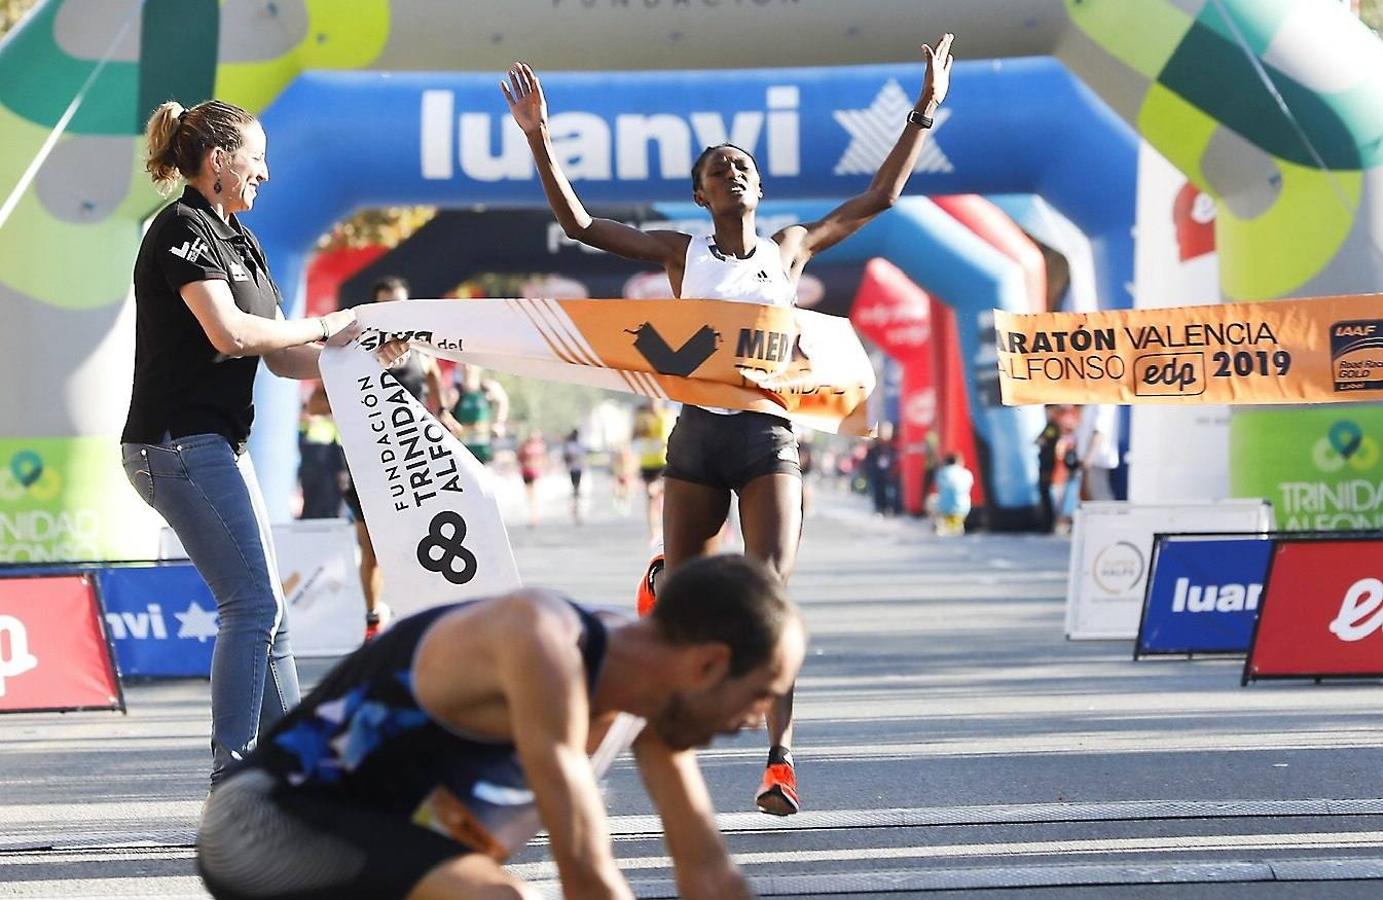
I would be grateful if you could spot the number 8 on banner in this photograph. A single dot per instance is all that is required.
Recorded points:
(449, 549)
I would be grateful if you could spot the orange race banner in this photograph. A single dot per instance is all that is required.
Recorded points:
(798, 364)
(1311, 350)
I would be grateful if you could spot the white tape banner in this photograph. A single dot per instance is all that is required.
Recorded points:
(802, 365)
(429, 504)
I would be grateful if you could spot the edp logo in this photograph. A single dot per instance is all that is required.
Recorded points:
(1361, 611)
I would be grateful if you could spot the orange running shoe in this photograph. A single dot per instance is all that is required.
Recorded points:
(377, 620)
(648, 594)
(778, 792)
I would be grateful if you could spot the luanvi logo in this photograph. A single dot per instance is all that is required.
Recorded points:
(1230, 597)
(604, 146)
(682, 361)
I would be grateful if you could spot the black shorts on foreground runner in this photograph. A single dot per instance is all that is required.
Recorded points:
(729, 451)
(260, 839)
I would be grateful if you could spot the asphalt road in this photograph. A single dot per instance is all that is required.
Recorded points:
(951, 743)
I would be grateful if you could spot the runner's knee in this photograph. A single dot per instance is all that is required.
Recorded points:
(472, 876)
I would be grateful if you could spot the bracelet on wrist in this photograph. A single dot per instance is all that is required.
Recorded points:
(326, 330)
(919, 118)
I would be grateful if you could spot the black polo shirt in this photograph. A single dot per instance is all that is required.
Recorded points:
(182, 385)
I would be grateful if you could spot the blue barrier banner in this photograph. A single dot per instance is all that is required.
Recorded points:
(1203, 595)
(161, 619)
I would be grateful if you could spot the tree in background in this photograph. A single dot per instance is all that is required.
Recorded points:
(11, 11)
(388, 227)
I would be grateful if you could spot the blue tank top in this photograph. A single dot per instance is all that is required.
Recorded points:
(361, 736)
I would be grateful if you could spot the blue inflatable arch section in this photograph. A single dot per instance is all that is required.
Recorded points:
(340, 141)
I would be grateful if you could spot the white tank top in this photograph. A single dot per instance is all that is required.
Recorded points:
(710, 274)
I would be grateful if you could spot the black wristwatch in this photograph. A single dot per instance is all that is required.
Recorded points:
(919, 118)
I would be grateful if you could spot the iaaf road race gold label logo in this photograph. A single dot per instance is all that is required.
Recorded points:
(1356, 355)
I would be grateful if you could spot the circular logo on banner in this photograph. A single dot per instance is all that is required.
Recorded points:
(1118, 567)
(442, 550)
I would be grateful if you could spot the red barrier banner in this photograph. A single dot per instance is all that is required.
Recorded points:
(1321, 615)
(54, 655)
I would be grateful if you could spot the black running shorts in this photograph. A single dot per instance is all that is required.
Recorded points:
(259, 839)
(729, 451)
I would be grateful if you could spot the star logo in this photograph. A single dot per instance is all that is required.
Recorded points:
(874, 130)
(196, 622)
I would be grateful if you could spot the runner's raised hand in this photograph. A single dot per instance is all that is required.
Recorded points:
(938, 79)
(524, 94)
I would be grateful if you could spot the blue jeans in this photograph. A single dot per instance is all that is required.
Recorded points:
(210, 497)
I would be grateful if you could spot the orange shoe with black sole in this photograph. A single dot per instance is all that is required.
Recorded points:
(647, 596)
(778, 791)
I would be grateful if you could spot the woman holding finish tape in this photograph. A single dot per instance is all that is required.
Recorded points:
(207, 310)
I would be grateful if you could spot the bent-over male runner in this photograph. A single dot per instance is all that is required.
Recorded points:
(430, 755)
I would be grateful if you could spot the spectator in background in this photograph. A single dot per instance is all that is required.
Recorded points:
(624, 465)
(651, 429)
(323, 463)
(881, 468)
(479, 412)
(853, 467)
(532, 455)
(806, 461)
(1047, 442)
(931, 460)
(1097, 446)
(574, 456)
(951, 503)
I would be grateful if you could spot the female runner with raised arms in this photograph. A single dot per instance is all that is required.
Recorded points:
(714, 452)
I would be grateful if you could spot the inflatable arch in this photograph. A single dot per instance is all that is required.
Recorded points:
(1295, 170)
